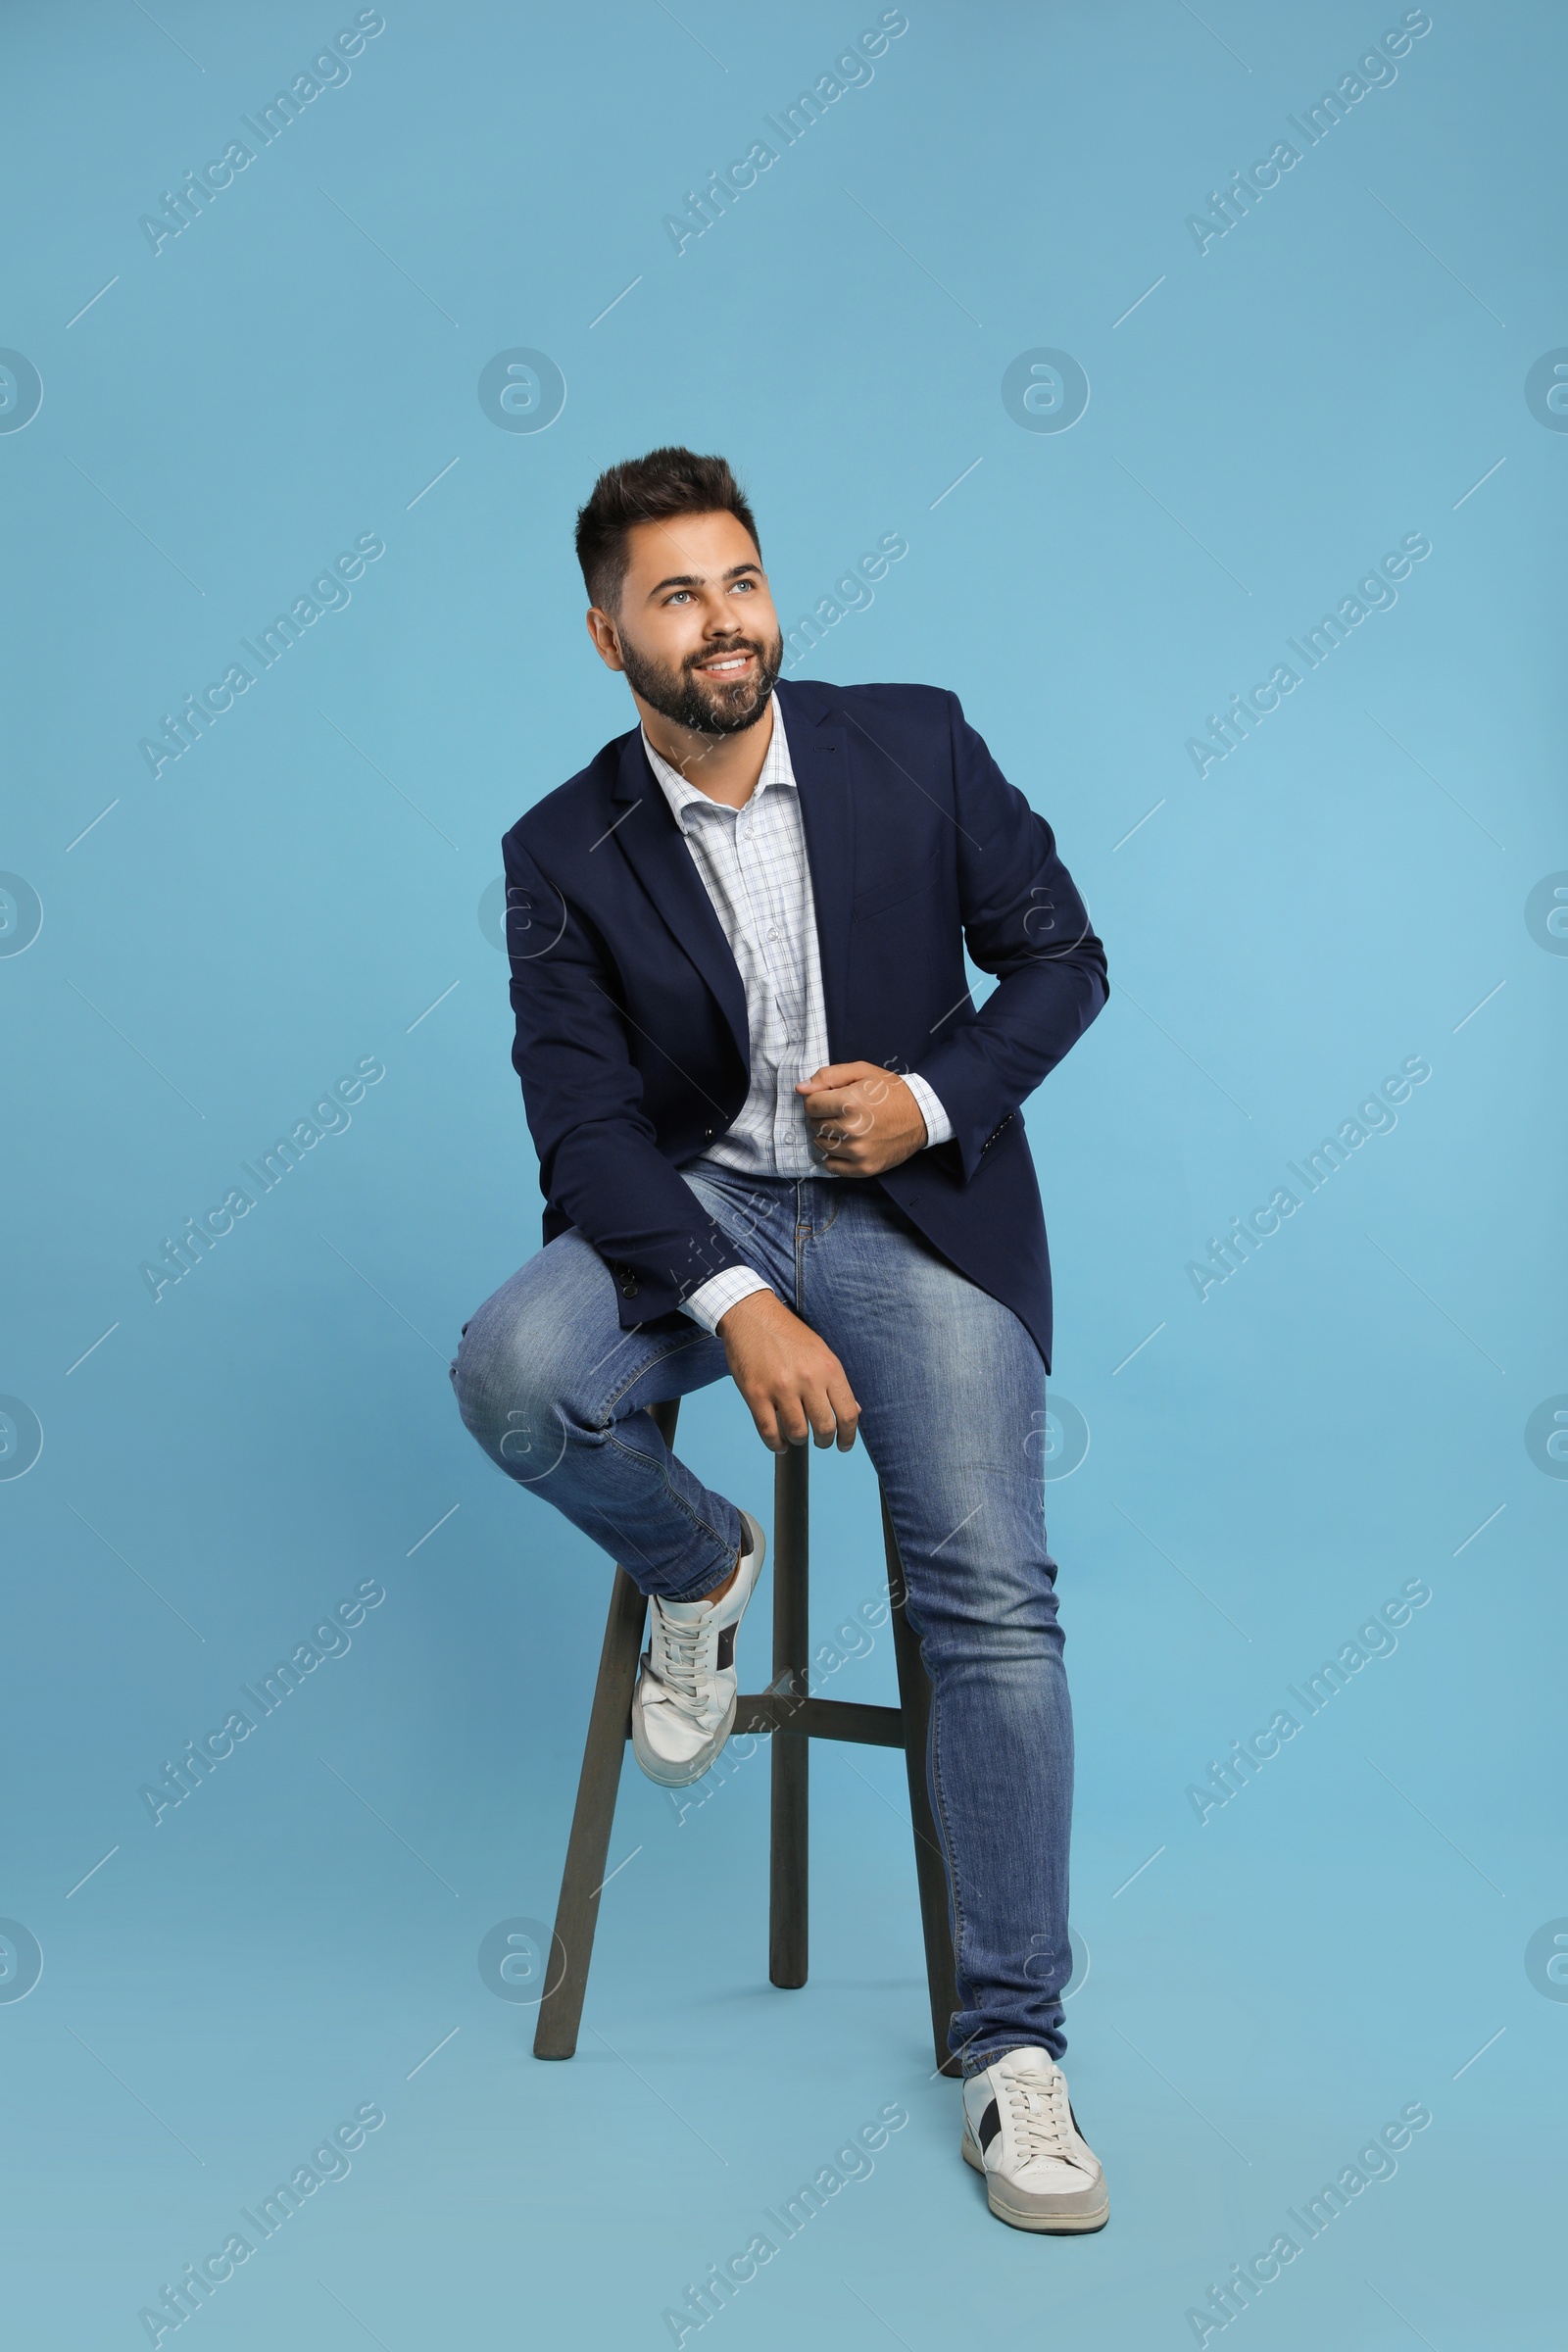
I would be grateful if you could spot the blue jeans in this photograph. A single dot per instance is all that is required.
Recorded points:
(952, 1398)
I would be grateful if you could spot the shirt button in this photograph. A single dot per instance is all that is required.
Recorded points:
(773, 931)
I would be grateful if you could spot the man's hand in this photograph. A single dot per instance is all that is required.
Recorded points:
(862, 1119)
(792, 1381)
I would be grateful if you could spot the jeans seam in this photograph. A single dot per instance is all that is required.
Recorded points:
(675, 1348)
(946, 1826)
(633, 1452)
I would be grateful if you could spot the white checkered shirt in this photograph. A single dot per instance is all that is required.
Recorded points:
(754, 867)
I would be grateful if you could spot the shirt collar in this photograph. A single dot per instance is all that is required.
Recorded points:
(682, 796)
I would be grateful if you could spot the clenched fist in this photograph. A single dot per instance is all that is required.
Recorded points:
(862, 1118)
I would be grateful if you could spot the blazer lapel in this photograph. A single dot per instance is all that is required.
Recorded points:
(822, 755)
(652, 843)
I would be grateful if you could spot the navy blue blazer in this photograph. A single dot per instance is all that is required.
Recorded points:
(631, 1032)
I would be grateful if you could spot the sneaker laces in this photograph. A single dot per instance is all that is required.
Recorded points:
(1041, 2121)
(675, 1658)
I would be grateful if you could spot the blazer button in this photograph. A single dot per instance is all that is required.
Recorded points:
(628, 1286)
(707, 1135)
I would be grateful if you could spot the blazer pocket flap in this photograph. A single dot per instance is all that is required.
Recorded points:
(893, 892)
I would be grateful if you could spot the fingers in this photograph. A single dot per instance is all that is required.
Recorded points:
(836, 1120)
(846, 1413)
(850, 1152)
(807, 1413)
(837, 1073)
(780, 1418)
(826, 1413)
(840, 1135)
(822, 1417)
(847, 1101)
(794, 1424)
(764, 1414)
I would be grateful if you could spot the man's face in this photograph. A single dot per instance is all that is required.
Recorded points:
(694, 631)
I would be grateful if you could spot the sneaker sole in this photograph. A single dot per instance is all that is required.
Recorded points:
(681, 1776)
(1048, 2225)
(660, 1769)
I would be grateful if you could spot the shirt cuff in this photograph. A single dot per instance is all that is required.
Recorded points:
(715, 1297)
(938, 1125)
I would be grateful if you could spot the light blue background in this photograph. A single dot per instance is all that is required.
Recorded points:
(296, 891)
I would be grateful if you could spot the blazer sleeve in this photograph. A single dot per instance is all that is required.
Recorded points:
(599, 1161)
(1024, 922)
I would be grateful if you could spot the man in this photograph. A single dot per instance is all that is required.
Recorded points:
(776, 1138)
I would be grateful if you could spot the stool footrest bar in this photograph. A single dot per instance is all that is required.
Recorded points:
(766, 1711)
(820, 1719)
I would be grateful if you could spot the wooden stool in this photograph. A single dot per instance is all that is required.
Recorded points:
(795, 1720)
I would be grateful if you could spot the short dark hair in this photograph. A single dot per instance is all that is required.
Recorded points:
(651, 489)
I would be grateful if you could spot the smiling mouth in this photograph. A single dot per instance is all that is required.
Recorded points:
(724, 666)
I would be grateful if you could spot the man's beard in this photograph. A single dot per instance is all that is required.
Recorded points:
(706, 705)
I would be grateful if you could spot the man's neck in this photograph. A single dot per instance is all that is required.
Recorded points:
(723, 766)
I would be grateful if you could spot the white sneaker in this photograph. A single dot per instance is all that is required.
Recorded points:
(1019, 2131)
(683, 1707)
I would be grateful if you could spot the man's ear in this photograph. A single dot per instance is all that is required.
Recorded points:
(605, 637)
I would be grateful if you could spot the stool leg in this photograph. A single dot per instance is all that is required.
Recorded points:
(915, 1701)
(593, 1816)
(788, 1904)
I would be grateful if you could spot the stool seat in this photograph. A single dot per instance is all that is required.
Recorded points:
(791, 1718)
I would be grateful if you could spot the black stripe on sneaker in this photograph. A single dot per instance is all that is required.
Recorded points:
(726, 1647)
(990, 2126)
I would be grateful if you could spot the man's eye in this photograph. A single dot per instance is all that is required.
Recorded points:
(746, 584)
